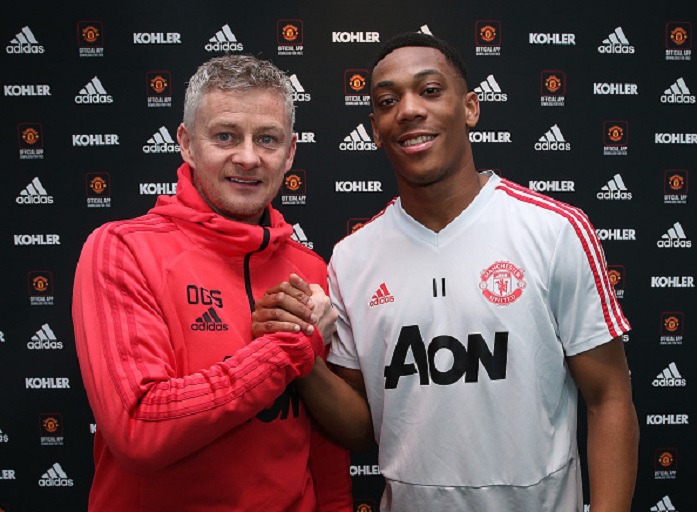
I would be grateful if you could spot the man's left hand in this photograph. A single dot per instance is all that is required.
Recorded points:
(287, 307)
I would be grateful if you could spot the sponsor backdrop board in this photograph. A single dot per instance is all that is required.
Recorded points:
(590, 102)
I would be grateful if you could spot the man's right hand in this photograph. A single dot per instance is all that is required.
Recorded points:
(325, 313)
(287, 307)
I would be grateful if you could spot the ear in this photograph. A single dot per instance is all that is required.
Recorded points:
(376, 134)
(471, 102)
(184, 140)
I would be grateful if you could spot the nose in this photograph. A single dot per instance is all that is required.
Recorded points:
(410, 107)
(245, 155)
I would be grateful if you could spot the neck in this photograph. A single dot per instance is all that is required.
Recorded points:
(436, 205)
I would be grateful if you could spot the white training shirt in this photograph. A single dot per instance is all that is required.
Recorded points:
(461, 337)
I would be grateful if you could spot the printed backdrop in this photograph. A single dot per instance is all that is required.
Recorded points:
(590, 102)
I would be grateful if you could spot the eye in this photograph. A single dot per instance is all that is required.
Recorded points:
(431, 90)
(224, 137)
(386, 102)
(268, 140)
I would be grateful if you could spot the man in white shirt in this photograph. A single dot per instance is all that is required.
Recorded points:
(488, 308)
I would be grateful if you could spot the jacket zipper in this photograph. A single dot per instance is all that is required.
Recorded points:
(247, 274)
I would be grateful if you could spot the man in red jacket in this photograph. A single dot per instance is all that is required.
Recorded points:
(192, 412)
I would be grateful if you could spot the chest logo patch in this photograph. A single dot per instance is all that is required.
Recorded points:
(502, 283)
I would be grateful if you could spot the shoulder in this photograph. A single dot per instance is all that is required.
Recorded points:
(148, 223)
(130, 230)
(537, 207)
(300, 252)
(366, 232)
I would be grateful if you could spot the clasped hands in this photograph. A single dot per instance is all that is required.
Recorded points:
(294, 306)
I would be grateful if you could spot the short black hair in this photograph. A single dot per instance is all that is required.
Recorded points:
(418, 39)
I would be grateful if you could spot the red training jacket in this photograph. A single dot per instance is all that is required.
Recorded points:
(192, 413)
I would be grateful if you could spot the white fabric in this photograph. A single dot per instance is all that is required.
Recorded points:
(483, 442)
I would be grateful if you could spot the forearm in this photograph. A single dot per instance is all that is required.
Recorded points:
(337, 407)
(162, 418)
(613, 438)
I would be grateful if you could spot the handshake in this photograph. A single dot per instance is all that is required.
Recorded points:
(294, 306)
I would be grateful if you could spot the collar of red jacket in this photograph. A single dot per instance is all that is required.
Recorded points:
(208, 229)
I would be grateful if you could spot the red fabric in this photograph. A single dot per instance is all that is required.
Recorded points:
(193, 414)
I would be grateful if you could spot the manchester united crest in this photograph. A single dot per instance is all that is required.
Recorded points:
(502, 283)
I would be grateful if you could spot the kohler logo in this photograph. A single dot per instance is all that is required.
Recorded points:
(158, 189)
(37, 239)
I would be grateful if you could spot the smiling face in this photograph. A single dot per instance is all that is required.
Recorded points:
(240, 146)
(421, 115)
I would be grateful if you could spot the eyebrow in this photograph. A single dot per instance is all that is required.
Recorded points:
(421, 74)
(232, 125)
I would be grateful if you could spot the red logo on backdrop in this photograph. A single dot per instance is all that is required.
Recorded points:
(40, 283)
(666, 459)
(672, 323)
(679, 35)
(502, 283)
(294, 182)
(290, 32)
(353, 225)
(616, 133)
(553, 83)
(615, 277)
(98, 184)
(90, 34)
(294, 188)
(616, 274)
(364, 506)
(159, 83)
(488, 33)
(675, 181)
(355, 81)
(30, 135)
(51, 424)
